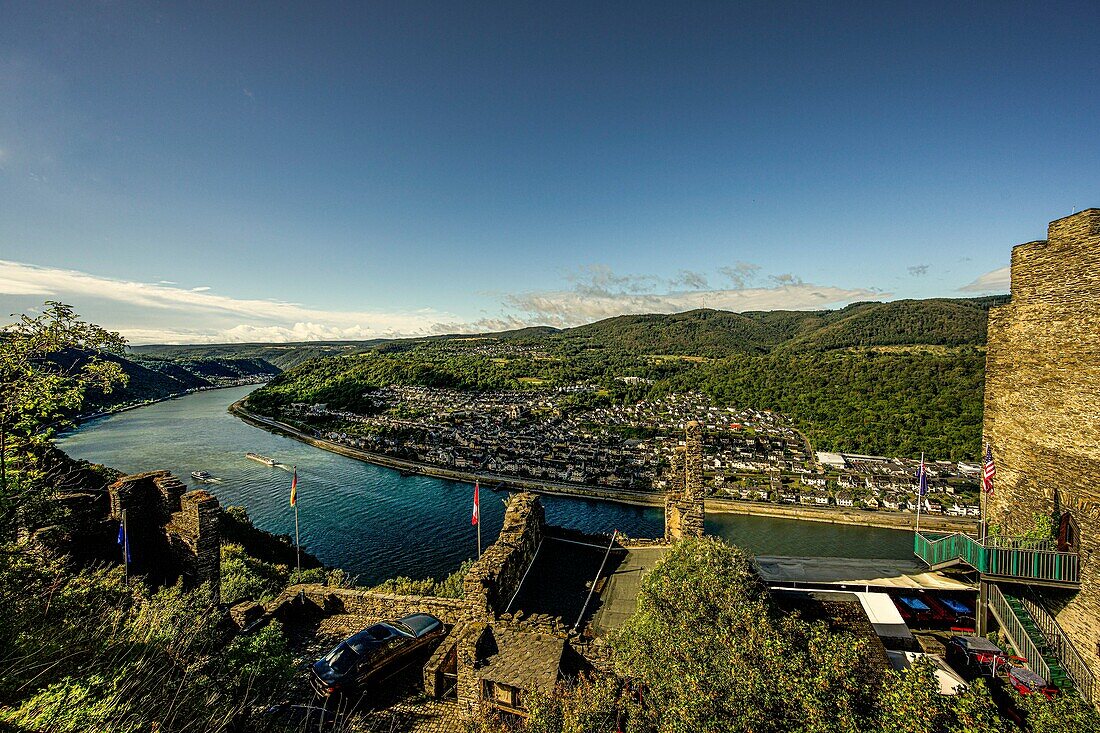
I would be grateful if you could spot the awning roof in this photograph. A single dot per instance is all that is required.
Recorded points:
(881, 573)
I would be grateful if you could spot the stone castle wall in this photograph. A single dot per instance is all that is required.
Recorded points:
(1042, 405)
(372, 606)
(496, 576)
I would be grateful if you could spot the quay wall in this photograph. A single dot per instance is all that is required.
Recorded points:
(885, 520)
(1042, 419)
(866, 518)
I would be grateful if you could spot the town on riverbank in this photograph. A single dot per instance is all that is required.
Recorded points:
(716, 502)
(531, 439)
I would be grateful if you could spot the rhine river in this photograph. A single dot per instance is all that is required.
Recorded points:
(375, 523)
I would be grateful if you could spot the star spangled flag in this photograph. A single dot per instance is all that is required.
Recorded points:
(922, 477)
(477, 507)
(989, 471)
(294, 489)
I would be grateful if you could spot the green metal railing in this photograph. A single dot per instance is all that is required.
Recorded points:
(1013, 627)
(1059, 644)
(998, 556)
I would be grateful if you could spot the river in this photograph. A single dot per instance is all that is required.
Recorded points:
(375, 523)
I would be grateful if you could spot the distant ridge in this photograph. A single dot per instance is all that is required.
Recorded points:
(702, 332)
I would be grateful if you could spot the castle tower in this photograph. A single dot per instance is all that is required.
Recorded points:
(1042, 388)
(684, 507)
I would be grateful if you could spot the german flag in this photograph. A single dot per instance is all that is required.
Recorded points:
(294, 489)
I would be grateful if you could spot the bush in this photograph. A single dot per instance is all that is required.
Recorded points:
(449, 587)
(244, 577)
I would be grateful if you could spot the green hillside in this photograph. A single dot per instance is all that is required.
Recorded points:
(155, 379)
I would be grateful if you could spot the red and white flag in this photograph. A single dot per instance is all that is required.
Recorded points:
(477, 506)
(989, 471)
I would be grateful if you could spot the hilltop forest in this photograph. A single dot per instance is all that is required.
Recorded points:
(896, 378)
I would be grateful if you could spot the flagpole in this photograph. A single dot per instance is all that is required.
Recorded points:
(297, 543)
(126, 546)
(920, 485)
(477, 516)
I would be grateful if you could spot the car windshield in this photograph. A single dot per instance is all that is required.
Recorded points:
(403, 628)
(379, 632)
(342, 658)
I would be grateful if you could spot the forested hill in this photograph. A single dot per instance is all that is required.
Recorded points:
(155, 379)
(938, 322)
(281, 356)
(885, 378)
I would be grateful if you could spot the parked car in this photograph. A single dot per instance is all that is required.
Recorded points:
(375, 653)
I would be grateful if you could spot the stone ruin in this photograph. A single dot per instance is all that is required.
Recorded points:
(173, 533)
(684, 504)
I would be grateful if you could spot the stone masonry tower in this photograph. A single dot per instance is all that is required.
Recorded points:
(1042, 411)
(684, 508)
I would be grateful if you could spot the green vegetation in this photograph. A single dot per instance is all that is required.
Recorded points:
(83, 651)
(895, 404)
(37, 391)
(81, 648)
(449, 587)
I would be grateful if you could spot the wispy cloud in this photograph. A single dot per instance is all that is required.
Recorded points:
(741, 274)
(604, 294)
(918, 270)
(996, 281)
(164, 313)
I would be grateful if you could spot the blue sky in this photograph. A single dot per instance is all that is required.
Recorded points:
(211, 172)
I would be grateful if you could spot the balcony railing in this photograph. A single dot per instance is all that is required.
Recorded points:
(998, 556)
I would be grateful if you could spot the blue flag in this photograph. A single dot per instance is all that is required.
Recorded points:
(922, 478)
(124, 541)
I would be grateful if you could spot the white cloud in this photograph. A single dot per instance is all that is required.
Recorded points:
(996, 281)
(157, 310)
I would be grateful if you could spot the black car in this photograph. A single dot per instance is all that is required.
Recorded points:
(374, 653)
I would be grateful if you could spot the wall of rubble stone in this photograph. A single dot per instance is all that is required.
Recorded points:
(496, 576)
(318, 599)
(1042, 405)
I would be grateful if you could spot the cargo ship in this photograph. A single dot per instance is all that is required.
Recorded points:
(262, 459)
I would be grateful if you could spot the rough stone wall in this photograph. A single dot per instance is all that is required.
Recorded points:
(315, 599)
(1042, 405)
(685, 511)
(172, 533)
(496, 576)
(674, 497)
(195, 540)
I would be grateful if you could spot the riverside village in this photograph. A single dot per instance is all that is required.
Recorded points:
(983, 599)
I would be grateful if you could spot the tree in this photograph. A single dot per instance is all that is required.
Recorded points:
(711, 653)
(47, 363)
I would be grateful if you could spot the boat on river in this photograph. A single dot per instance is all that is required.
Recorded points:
(204, 476)
(262, 459)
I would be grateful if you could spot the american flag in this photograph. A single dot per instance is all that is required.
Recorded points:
(989, 472)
